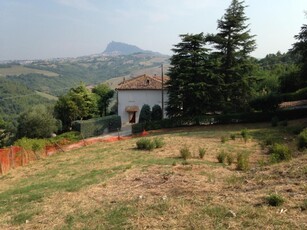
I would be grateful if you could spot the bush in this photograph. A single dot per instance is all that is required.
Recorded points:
(159, 143)
(244, 134)
(185, 153)
(230, 158)
(284, 123)
(97, 126)
(303, 206)
(233, 136)
(302, 140)
(242, 161)
(145, 114)
(221, 157)
(145, 144)
(201, 152)
(223, 139)
(156, 114)
(275, 200)
(279, 152)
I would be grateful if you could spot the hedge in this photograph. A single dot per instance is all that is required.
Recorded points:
(221, 119)
(97, 126)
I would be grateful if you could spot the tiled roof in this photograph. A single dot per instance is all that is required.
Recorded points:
(293, 104)
(142, 82)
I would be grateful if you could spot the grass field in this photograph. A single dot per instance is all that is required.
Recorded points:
(116, 186)
(18, 70)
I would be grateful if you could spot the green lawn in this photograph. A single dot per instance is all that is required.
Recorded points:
(116, 186)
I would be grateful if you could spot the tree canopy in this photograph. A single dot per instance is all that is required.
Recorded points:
(105, 94)
(78, 104)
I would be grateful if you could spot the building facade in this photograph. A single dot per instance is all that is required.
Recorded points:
(132, 94)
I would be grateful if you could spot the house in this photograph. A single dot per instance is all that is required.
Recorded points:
(132, 94)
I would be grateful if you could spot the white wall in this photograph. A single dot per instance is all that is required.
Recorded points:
(138, 98)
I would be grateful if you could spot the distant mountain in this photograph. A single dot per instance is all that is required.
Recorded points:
(119, 48)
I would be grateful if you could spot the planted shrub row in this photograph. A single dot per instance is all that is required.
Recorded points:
(97, 126)
(149, 144)
(282, 115)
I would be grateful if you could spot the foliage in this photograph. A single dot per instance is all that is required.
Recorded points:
(148, 144)
(156, 114)
(97, 126)
(250, 117)
(233, 136)
(105, 94)
(230, 158)
(145, 144)
(221, 156)
(78, 104)
(300, 48)
(202, 152)
(193, 89)
(233, 44)
(185, 152)
(159, 143)
(145, 114)
(31, 144)
(242, 161)
(279, 152)
(223, 139)
(302, 139)
(275, 200)
(244, 134)
(37, 122)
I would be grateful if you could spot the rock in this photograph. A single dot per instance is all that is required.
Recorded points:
(231, 213)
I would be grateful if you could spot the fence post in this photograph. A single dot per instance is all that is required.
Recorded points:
(12, 161)
(1, 169)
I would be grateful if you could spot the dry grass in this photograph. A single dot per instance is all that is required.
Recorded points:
(18, 70)
(115, 186)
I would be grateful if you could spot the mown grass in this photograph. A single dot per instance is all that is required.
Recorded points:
(115, 186)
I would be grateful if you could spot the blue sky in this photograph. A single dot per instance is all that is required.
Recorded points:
(34, 29)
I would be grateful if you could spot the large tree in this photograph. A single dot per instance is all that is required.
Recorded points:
(37, 122)
(78, 104)
(300, 49)
(192, 88)
(105, 94)
(233, 44)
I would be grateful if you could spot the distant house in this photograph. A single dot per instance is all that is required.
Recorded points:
(132, 94)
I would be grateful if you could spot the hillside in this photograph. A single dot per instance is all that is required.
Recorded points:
(115, 186)
(51, 78)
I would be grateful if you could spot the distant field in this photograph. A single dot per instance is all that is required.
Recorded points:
(18, 70)
(116, 186)
(48, 96)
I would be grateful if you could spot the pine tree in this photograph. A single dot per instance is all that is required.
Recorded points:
(233, 44)
(300, 49)
(191, 86)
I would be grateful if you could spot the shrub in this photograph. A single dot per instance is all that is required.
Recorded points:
(233, 136)
(145, 144)
(159, 143)
(230, 158)
(221, 157)
(244, 134)
(275, 200)
(201, 152)
(302, 140)
(223, 139)
(242, 161)
(279, 152)
(185, 153)
(156, 114)
(274, 121)
(145, 114)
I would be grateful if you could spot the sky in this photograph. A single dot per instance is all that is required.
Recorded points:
(42, 29)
